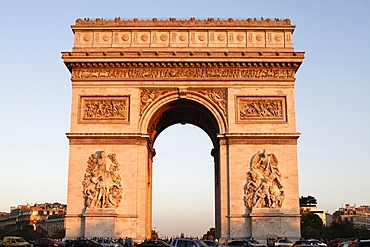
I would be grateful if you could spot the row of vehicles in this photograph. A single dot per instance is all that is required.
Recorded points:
(13, 241)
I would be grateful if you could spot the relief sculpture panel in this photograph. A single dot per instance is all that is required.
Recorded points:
(104, 108)
(102, 182)
(260, 108)
(264, 185)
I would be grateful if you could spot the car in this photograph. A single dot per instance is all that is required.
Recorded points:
(187, 242)
(361, 243)
(67, 243)
(46, 242)
(107, 242)
(316, 242)
(153, 243)
(86, 243)
(239, 243)
(346, 244)
(14, 241)
(255, 243)
(283, 242)
(212, 243)
(305, 243)
(336, 242)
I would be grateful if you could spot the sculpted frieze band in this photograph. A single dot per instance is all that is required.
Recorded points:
(261, 108)
(104, 108)
(183, 73)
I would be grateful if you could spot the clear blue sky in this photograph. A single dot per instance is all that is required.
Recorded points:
(332, 104)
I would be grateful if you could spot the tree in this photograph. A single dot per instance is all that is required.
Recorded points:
(311, 226)
(346, 229)
(210, 234)
(307, 200)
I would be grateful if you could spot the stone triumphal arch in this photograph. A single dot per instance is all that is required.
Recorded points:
(131, 79)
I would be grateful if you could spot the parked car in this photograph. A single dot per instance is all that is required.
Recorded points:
(67, 243)
(239, 243)
(212, 243)
(305, 243)
(255, 243)
(13, 241)
(336, 242)
(107, 242)
(361, 243)
(316, 242)
(46, 242)
(153, 243)
(283, 242)
(346, 244)
(86, 243)
(187, 242)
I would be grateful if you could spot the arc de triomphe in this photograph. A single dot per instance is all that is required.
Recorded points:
(131, 79)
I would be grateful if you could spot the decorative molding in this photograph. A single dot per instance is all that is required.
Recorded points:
(104, 108)
(102, 182)
(264, 185)
(181, 23)
(183, 73)
(257, 108)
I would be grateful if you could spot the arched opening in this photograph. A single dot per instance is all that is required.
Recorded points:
(183, 182)
(185, 132)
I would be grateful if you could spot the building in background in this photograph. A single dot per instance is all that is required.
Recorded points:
(42, 217)
(359, 216)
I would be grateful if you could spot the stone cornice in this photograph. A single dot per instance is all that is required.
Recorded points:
(183, 70)
(261, 135)
(188, 54)
(192, 22)
(259, 138)
(108, 138)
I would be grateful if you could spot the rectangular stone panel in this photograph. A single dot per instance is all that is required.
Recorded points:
(102, 39)
(179, 38)
(236, 39)
(121, 39)
(159, 39)
(83, 39)
(198, 39)
(104, 109)
(260, 108)
(217, 39)
(140, 39)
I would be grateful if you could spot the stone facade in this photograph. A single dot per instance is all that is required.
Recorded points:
(131, 79)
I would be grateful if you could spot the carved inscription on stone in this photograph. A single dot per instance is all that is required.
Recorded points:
(183, 73)
(104, 108)
(264, 185)
(260, 108)
(102, 182)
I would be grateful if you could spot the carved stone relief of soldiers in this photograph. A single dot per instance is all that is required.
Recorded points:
(264, 186)
(102, 182)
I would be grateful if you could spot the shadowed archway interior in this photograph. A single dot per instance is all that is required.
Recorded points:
(185, 111)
